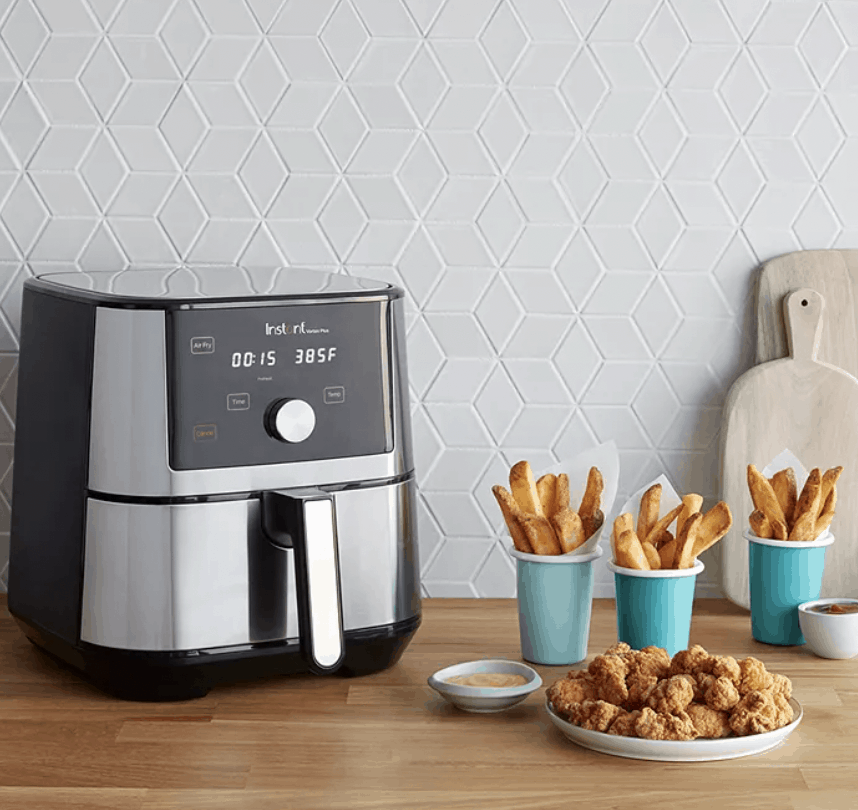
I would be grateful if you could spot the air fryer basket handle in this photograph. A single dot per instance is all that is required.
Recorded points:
(303, 520)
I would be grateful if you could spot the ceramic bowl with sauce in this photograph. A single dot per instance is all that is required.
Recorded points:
(486, 686)
(830, 626)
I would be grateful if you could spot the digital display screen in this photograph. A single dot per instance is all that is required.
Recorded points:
(303, 356)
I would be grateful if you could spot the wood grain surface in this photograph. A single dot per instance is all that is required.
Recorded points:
(389, 741)
(804, 405)
(834, 275)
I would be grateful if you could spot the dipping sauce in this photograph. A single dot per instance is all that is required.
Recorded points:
(835, 608)
(494, 680)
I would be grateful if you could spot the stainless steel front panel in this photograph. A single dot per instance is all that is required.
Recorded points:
(129, 423)
(164, 577)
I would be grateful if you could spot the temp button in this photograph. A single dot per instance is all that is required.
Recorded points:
(238, 402)
(335, 395)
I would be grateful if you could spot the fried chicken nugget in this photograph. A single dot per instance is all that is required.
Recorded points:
(653, 726)
(640, 687)
(620, 648)
(721, 694)
(595, 715)
(672, 695)
(624, 724)
(691, 661)
(609, 674)
(652, 661)
(781, 686)
(728, 666)
(755, 713)
(565, 693)
(755, 676)
(709, 723)
(785, 713)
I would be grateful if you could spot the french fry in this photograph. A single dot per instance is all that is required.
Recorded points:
(667, 553)
(766, 501)
(523, 489)
(511, 513)
(622, 523)
(592, 499)
(714, 525)
(561, 492)
(657, 532)
(686, 541)
(829, 481)
(827, 513)
(629, 553)
(648, 515)
(807, 508)
(546, 487)
(651, 556)
(691, 503)
(593, 523)
(540, 535)
(664, 536)
(786, 491)
(568, 528)
(760, 524)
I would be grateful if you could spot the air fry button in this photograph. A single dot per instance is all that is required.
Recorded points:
(205, 433)
(335, 395)
(202, 345)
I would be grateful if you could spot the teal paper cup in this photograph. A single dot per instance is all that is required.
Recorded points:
(555, 600)
(782, 574)
(654, 607)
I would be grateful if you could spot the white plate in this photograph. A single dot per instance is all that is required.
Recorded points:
(674, 750)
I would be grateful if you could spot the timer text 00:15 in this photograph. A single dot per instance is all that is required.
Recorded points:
(269, 358)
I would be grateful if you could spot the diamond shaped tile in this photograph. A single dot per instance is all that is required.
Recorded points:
(733, 272)
(421, 175)
(302, 17)
(262, 173)
(496, 577)
(539, 291)
(543, 110)
(820, 136)
(540, 200)
(141, 194)
(539, 246)
(456, 469)
(616, 382)
(463, 62)
(342, 220)
(537, 381)
(461, 199)
(302, 150)
(24, 214)
(740, 181)
(104, 79)
(263, 81)
(420, 266)
(780, 114)
(537, 426)
(423, 84)
(743, 90)
(384, 107)
(501, 221)
(817, 225)
(182, 217)
(102, 252)
(704, 22)
(502, 131)
(838, 185)
(659, 224)
(503, 39)
(696, 339)
(576, 436)
(183, 126)
(618, 424)
(427, 443)
(579, 269)
(662, 134)
(386, 18)
(538, 335)
(183, 34)
(458, 334)
(665, 41)
(381, 198)
(700, 204)
(344, 37)
(583, 178)
(620, 202)
(499, 403)
(584, 87)
(781, 158)
(617, 337)
(143, 240)
(428, 358)
(460, 379)
(822, 45)
(577, 360)
(343, 128)
(24, 33)
(657, 316)
(302, 197)
(302, 242)
(499, 312)
(783, 69)
(381, 243)
(543, 64)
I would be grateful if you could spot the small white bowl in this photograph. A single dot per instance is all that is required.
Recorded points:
(829, 635)
(484, 699)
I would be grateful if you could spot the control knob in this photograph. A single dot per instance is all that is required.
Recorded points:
(290, 420)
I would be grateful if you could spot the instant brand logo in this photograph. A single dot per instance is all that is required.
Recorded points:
(294, 329)
(285, 328)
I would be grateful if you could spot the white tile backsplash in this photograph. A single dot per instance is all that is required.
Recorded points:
(574, 195)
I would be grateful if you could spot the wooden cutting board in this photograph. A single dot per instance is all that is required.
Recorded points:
(808, 406)
(833, 274)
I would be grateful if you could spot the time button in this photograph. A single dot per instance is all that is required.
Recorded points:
(238, 402)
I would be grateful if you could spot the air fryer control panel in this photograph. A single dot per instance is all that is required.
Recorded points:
(267, 385)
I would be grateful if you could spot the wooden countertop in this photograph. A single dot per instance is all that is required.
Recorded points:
(388, 740)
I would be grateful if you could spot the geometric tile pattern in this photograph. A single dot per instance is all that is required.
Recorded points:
(574, 195)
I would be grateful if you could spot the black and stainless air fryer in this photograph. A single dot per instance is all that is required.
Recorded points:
(213, 476)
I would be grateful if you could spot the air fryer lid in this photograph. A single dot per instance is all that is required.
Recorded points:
(200, 285)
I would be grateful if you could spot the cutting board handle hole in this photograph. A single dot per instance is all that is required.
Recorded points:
(804, 302)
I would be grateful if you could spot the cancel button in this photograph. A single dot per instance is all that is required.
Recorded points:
(205, 433)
